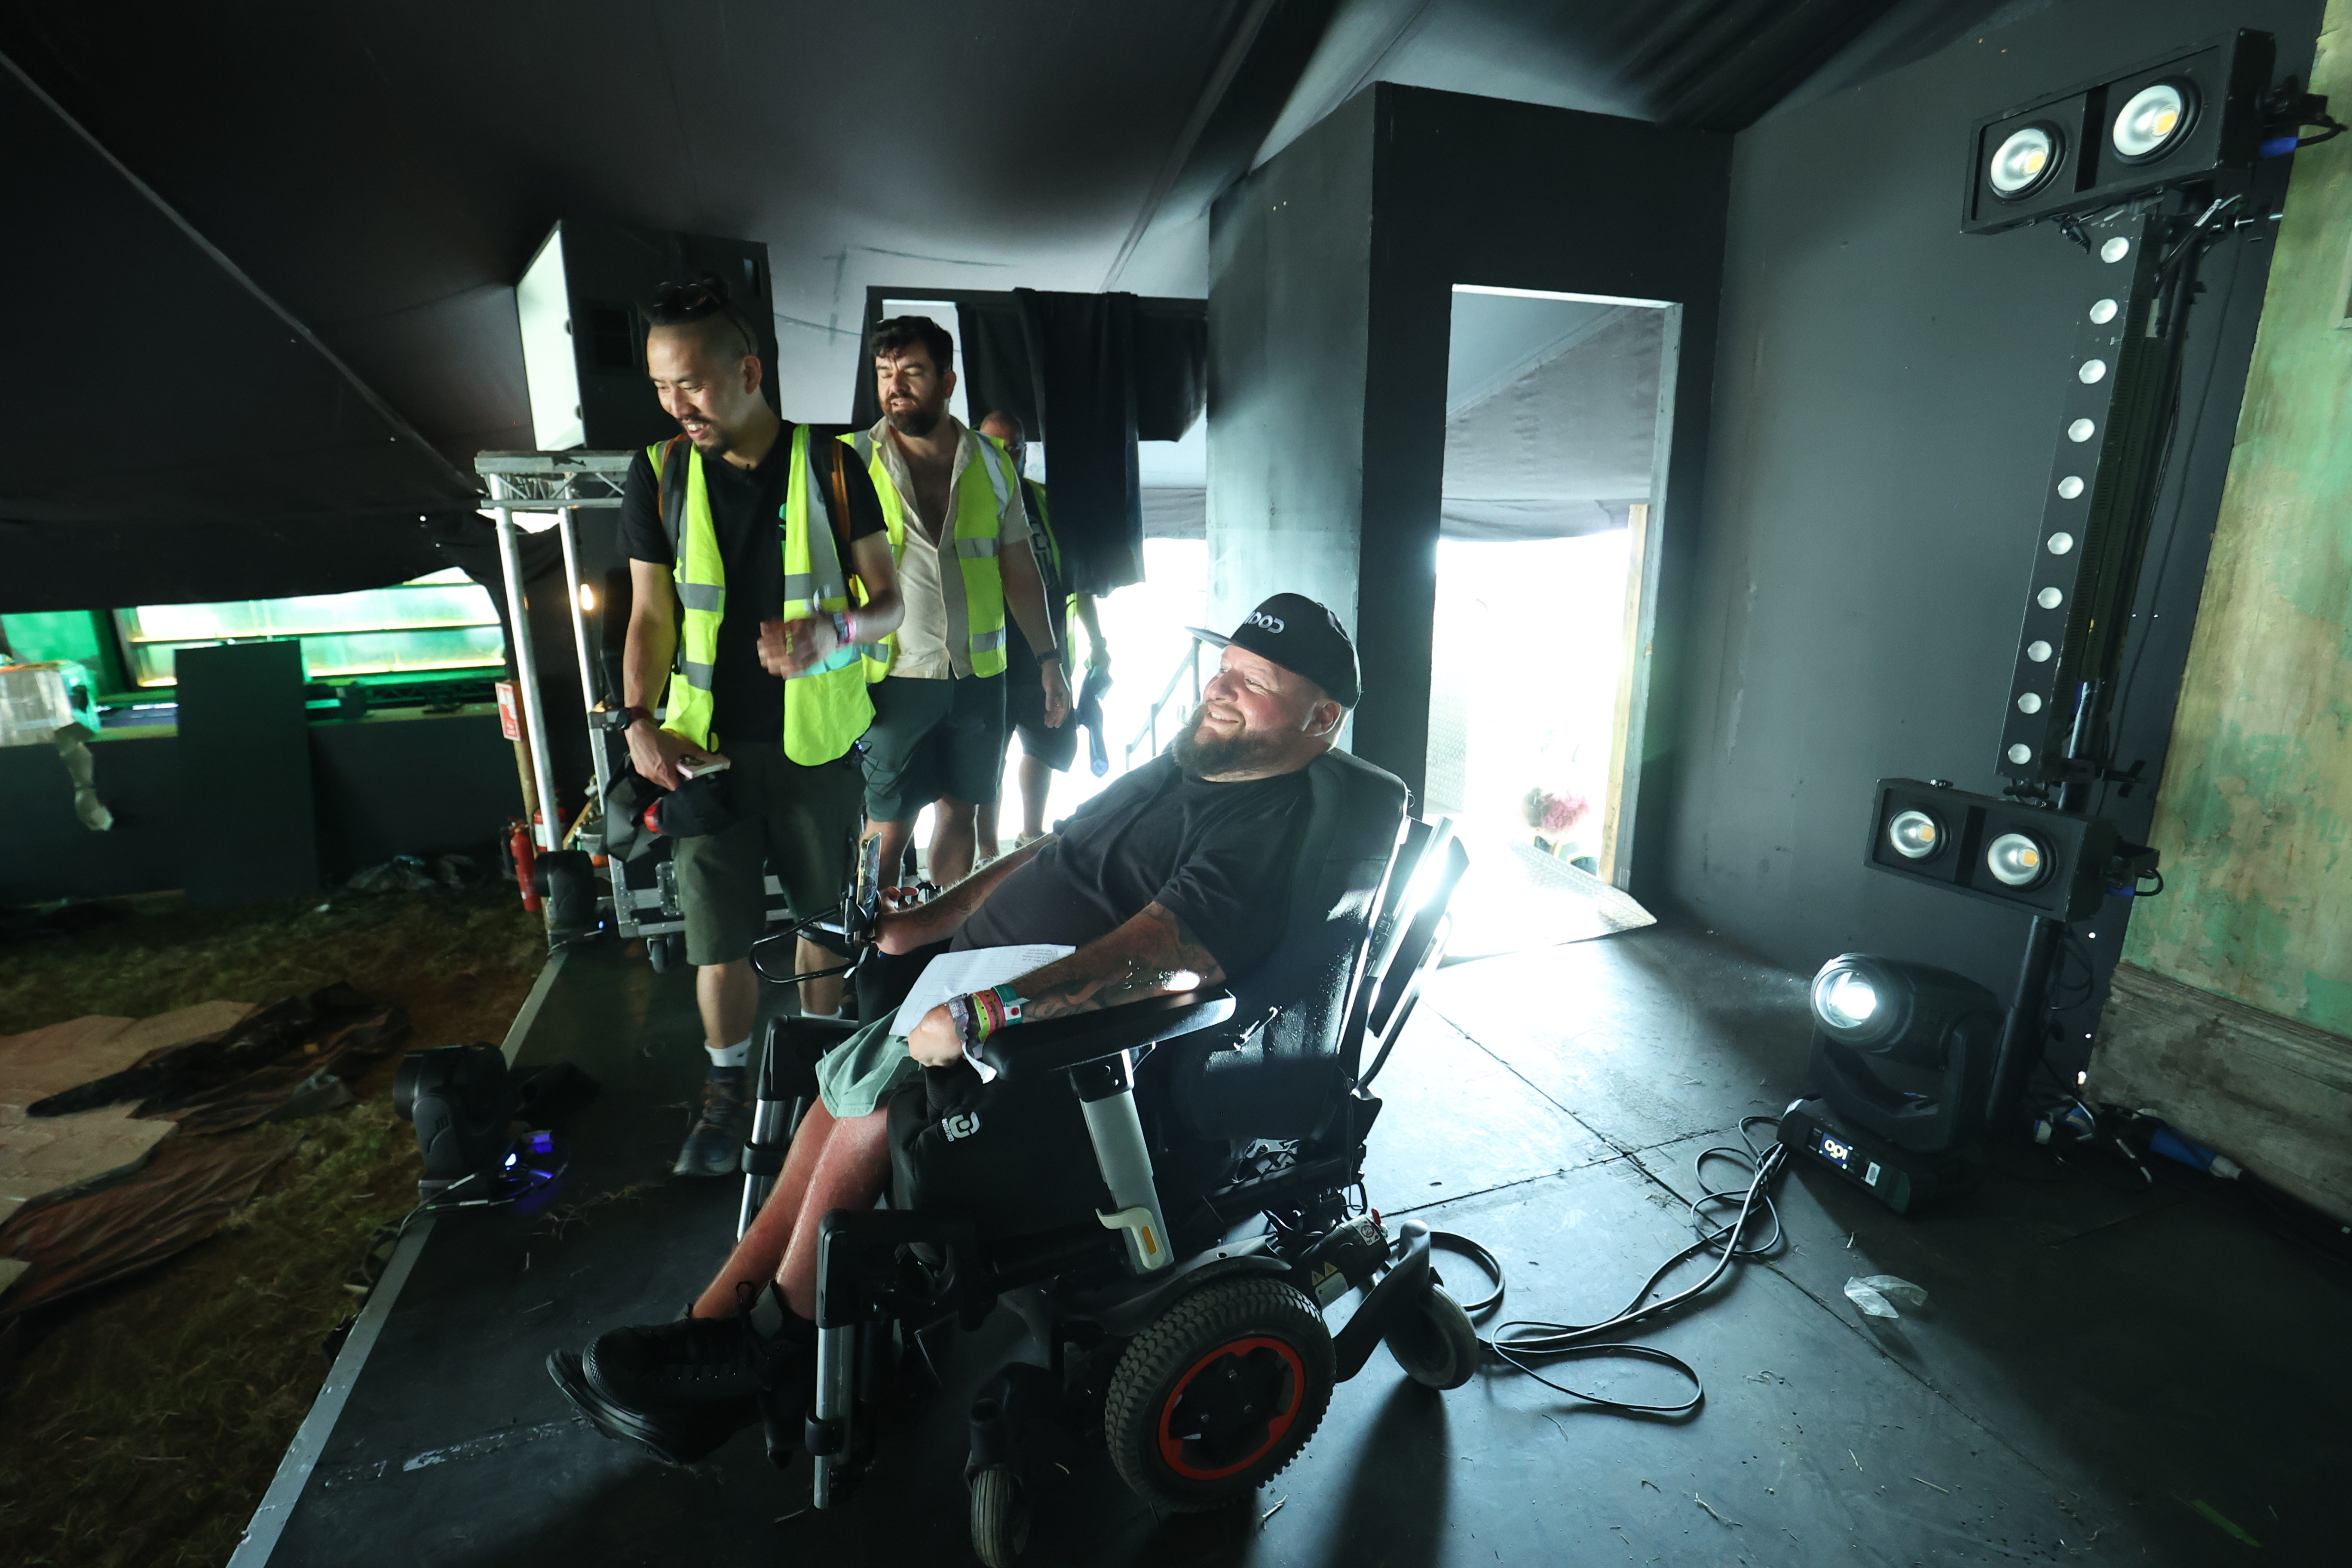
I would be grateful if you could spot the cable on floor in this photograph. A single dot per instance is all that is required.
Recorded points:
(1522, 1343)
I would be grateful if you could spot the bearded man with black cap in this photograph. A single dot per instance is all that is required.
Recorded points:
(1169, 881)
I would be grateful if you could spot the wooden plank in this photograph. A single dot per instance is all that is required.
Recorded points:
(41, 1062)
(41, 1156)
(2272, 1094)
(2254, 816)
(1631, 666)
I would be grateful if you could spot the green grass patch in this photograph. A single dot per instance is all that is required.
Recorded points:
(147, 1419)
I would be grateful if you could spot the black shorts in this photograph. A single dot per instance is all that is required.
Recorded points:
(799, 822)
(1025, 710)
(933, 738)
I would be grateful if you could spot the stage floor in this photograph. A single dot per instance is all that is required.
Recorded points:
(2102, 1371)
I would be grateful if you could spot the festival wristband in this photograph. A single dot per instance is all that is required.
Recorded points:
(983, 1013)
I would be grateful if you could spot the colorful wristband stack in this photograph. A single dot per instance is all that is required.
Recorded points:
(983, 1013)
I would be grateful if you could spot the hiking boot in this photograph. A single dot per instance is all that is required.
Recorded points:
(715, 1147)
(682, 1389)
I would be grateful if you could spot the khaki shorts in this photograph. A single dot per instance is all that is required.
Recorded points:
(801, 823)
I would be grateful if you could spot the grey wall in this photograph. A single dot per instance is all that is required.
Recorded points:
(1885, 394)
(1290, 253)
(392, 783)
(1332, 270)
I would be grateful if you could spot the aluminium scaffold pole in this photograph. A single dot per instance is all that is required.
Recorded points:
(549, 831)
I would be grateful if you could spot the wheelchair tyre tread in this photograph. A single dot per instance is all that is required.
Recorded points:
(1160, 1363)
(1000, 1517)
(1436, 1344)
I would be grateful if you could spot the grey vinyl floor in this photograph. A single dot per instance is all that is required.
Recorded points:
(2103, 1371)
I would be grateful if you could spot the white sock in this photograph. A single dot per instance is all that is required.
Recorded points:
(807, 1013)
(735, 1055)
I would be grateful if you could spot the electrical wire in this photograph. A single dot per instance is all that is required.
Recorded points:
(441, 1202)
(1521, 1343)
(2179, 266)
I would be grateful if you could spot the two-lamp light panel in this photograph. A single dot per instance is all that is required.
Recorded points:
(2050, 863)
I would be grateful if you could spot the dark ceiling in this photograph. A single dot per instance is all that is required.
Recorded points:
(382, 171)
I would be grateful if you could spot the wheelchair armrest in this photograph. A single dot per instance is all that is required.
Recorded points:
(1057, 1045)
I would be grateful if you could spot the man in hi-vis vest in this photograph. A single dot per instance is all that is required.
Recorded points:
(960, 536)
(1045, 750)
(761, 568)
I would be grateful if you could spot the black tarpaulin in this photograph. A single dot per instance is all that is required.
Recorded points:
(1087, 375)
(170, 433)
(1084, 366)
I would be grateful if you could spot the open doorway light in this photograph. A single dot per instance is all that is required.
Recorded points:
(1554, 459)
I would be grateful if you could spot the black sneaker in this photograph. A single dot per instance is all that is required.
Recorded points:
(715, 1147)
(682, 1389)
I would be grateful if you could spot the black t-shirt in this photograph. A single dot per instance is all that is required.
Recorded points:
(1217, 856)
(747, 508)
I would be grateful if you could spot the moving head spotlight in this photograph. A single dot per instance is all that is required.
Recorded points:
(464, 1104)
(462, 1101)
(1895, 1098)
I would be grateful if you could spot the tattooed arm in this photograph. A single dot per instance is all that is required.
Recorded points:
(1151, 956)
(904, 931)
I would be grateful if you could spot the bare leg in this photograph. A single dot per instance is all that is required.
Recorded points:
(728, 995)
(986, 844)
(850, 1174)
(833, 1165)
(819, 995)
(1036, 782)
(758, 1255)
(952, 834)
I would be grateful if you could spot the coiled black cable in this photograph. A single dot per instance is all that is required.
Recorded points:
(1521, 1343)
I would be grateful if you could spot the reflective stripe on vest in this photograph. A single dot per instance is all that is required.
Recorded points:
(979, 514)
(827, 709)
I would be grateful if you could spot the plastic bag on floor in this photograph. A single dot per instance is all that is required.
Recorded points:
(1876, 1294)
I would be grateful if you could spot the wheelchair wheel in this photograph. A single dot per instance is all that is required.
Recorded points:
(1000, 1517)
(1219, 1394)
(1435, 1341)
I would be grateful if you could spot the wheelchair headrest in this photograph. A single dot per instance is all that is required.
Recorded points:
(1348, 838)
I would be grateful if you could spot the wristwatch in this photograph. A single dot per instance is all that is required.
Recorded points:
(630, 717)
(841, 628)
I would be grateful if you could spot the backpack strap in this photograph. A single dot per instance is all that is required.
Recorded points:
(672, 472)
(841, 498)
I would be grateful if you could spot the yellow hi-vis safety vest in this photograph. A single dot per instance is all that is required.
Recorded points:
(827, 709)
(978, 505)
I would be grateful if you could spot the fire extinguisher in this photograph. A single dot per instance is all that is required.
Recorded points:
(525, 855)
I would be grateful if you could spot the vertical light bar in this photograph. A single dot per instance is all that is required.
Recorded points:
(2093, 494)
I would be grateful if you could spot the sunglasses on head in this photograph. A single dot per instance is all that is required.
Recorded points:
(698, 301)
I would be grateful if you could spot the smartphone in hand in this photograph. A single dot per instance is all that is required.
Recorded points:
(694, 764)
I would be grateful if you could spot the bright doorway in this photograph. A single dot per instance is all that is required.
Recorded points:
(1546, 570)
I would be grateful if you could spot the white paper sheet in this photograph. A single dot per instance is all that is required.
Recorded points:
(958, 974)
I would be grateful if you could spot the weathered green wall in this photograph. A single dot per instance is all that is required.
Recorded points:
(2257, 797)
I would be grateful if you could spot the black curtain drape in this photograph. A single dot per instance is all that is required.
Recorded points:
(1089, 376)
(1082, 365)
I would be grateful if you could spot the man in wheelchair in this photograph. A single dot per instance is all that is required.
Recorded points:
(1183, 878)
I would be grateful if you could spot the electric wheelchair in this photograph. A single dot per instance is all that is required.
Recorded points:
(1176, 1291)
